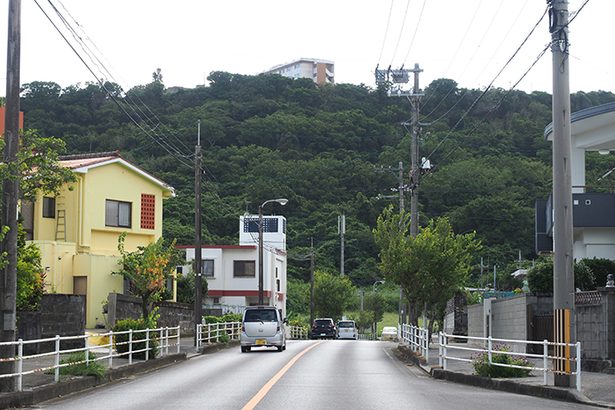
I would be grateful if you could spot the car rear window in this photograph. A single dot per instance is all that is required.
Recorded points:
(345, 324)
(264, 315)
(322, 322)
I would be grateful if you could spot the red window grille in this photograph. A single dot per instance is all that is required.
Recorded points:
(148, 211)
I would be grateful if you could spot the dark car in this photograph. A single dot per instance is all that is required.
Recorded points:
(323, 328)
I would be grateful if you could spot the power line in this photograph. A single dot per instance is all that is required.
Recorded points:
(386, 31)
(418, 23)
(401, 32)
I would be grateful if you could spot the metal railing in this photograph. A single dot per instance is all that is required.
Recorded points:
(416, 337)
(544, 359)
(298, 332)
(212, 332)
(155, 341)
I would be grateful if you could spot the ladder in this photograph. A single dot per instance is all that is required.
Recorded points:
(61, 225)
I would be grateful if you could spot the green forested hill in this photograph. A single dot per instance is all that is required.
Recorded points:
(265, 137)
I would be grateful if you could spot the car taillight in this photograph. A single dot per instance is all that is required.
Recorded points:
(243, 327)
(278, 327)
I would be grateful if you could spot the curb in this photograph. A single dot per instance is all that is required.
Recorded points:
(75, 385)
(212, 348)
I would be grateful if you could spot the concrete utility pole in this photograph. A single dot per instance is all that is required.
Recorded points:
(311, 281)
(563, 272)
(198, 287)
(8, 282)
(402, 76)
(341, 229)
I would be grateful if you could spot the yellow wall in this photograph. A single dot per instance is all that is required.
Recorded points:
(90, 248)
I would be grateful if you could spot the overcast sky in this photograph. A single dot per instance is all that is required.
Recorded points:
(466, 40)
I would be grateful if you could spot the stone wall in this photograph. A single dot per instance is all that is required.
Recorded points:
(171, 313)
(62, 315)
(596, 327)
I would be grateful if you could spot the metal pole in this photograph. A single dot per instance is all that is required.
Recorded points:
(563, 273)
(8, 281)
(198, 287)
(342, 229)
(261, 297)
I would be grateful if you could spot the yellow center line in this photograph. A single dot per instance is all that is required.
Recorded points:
(265, 389)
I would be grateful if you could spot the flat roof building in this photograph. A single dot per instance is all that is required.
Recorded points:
(320, 71)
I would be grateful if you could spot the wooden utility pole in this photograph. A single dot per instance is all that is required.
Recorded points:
(415, 172)
(341, 228)
(8, 282)
(563, 272)
(198, 280)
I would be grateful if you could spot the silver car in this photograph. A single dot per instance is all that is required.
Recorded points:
(346, 329)
(262, 326)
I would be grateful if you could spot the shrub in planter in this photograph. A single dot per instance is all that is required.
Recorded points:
(482, 367)
(121, 339)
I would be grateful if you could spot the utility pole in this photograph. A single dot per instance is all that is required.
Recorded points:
(8, 283)
(198, 286)
(311, 281)
(563, 273)
(341, 229)
(402, 76)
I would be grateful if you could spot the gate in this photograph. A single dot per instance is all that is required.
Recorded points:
(542, 329)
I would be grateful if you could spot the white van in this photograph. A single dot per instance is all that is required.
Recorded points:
(262, 326)
(346, 329)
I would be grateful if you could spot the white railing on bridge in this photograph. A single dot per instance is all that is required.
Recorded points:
(167, 337)
(208, 333)
(416, 337)
(544, 358)
(298, 332)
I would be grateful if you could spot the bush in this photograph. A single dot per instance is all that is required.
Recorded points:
(540, 277)
(600, 267)
(482, 367)
(135, 324)
(80, 368)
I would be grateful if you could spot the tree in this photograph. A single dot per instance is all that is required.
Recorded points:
(147, 269)
(186, 287)
(332, 294)
(540, 277)
(430, 267)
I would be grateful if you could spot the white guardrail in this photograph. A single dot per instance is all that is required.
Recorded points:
(211, 332)
(149, 337)
(445, 353)
(416, 337)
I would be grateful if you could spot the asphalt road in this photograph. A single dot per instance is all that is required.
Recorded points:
(308, 375)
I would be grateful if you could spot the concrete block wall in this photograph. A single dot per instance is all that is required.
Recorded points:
(591, 331)
(510, 318)
(475, 320)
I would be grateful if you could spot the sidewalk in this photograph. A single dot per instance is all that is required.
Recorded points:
(596, 388)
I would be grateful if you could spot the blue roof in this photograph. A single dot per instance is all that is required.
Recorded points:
(584, 114)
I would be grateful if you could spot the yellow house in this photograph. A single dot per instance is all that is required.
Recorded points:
(77, 231)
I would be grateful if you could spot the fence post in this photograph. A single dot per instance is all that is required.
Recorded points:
(166, 348)
(578, 366)
(147, 344)
(179, 339)
(489, 347)
(87, 353)
(445, 340)
(440, 349)
(426, 335)
(110, 348)
(19, 364)
(217, 332)
(545, 360)
(56, 377)
(199, 335)
(130, 346)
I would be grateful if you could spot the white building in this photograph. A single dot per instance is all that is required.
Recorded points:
(320, 71)
(592, 129)
(231, 271)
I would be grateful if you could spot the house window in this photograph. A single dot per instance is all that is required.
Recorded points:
(244, 269)
(207, 266)
(117, 213)
(148, 211)
(277, 282)
(49, 207)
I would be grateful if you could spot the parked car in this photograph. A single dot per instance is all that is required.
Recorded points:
(389, 333)
(346, 329)
(323, 328)
(262, 326)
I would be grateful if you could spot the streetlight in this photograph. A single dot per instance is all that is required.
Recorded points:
(378, 282)
(281, 201)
